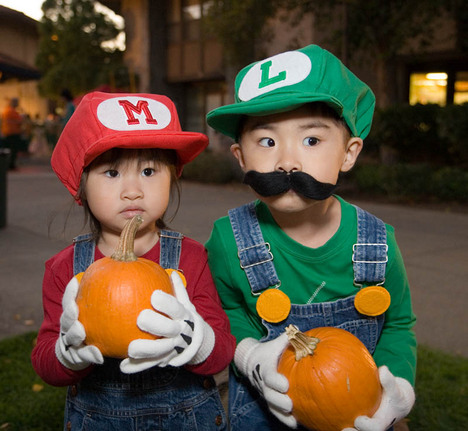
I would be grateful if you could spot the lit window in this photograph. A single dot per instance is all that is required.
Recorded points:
(461, 88)
(428, 88)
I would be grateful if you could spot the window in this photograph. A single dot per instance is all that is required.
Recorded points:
(439, 87)
(460, 94)
(428, 88)
(192, 55)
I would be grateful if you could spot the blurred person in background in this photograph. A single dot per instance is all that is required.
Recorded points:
(12, 129)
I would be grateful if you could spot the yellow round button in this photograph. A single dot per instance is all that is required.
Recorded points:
(273, 305)
(372, 300)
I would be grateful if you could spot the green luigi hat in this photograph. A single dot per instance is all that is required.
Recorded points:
(291, 79)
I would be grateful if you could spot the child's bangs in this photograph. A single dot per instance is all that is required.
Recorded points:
(117, 156)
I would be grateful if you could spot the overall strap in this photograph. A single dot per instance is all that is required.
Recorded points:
(170, 247)
(83, 252)
(254, 253)
(370, 252)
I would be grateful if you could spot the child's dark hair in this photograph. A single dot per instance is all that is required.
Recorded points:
(115, 157)
(319, 108)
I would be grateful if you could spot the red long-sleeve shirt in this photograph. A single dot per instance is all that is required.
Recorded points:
(200, 288)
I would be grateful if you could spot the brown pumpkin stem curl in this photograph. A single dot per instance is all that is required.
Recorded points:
(303, 344)
(125, 251)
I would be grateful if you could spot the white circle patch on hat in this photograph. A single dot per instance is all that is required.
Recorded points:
(275, 72)
(133, 113)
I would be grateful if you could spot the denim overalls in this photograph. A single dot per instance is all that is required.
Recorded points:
(247, 410)
(155, 399)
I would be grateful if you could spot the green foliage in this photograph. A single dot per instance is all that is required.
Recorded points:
(24, 406)
(382, 28)
(412, 131)
(212, 167)
(453, 130)
(239, 25)
(423, 133)
(441, 392)
(412, 182)
(72, 51)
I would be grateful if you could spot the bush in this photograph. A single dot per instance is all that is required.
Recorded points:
(422, 133)
(412, 131)
(212, 167)
(416, 182)
(451, 184)
(453, 129)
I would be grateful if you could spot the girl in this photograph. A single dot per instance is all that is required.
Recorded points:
(119, 156)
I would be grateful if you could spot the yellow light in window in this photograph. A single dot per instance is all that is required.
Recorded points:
(437, 76)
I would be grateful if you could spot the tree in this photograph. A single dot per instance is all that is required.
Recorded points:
(239, 25)
(375, 29)
(378, 29)
(73, 52)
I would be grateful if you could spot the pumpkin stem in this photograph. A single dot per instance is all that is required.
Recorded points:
(125, 250)
(303, 344)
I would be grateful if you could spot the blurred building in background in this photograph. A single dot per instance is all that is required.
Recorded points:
(167, 47)
(19, 41)
(169, 51)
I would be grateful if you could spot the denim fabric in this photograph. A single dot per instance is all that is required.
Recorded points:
(83, 254)
(247, 410)
(155, 399)
(245, 404)
(171, 246)
(340, 314)
(254, 253)
(370, 250)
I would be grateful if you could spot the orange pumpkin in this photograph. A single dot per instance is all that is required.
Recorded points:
(332, 378)
(114, 290)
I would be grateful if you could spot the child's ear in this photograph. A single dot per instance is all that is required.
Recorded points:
(353, 148)
(236, 150)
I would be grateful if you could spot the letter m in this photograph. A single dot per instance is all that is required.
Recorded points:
(141, 107)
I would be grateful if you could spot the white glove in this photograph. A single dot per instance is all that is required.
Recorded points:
(70, 348)
(397, 401)
(259, 362)
(188, 339)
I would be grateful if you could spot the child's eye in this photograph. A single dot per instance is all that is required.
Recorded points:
(112, 173)
(267, 142)
(148, 172)
(310, 142)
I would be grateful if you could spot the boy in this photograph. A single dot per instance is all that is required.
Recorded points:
(299, 254)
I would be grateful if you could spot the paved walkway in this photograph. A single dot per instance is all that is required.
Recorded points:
(433, 244)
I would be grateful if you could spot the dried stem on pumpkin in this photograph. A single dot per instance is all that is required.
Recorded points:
(125, 251)
(303, 344)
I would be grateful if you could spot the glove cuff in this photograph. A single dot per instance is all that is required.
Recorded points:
(242, 353)
(207, 345)
(65, 362)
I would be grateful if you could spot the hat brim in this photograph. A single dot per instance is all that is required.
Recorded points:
(187, 145)
(226, 119)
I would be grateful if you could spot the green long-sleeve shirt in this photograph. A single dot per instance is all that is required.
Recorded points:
(313, 275)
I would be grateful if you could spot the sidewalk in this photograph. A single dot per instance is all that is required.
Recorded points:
(433, 244)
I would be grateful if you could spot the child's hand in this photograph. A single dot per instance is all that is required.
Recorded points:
(70, 348)
(259, 362)
(188, 339)
(397, 401)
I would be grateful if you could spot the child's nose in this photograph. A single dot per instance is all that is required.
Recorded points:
(131, 190)
(288, 161)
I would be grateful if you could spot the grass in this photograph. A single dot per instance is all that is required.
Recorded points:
(28, 404)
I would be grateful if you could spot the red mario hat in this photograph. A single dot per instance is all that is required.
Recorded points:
(103, 121)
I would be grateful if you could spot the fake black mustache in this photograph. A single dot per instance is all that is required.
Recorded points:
(278, 182)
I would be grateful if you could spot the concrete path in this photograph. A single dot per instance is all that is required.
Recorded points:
(433, 244)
